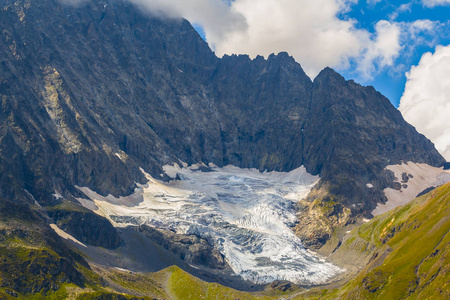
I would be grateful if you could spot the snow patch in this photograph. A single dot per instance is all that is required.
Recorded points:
(65, 235)
(244, 213)
(420, 177)
(123, 270)
(122, 156)
(57, 195)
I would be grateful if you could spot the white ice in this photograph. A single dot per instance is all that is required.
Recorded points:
(244, 213)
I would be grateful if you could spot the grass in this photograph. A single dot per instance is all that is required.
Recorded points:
(418, 265)
(182, 285)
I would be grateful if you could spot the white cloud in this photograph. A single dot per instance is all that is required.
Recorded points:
(434, 3)
(423, 25)
(401, 9)
(308, 30)
(215, 16)
(423, 32)
(396, 44)
(383, 50)
(426, 100)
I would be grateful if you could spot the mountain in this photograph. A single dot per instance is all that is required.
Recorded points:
(102, 96)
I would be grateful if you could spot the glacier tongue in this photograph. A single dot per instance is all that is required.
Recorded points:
(245, 214)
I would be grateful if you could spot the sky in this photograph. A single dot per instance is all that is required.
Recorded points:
(402, 48)
(423, 25)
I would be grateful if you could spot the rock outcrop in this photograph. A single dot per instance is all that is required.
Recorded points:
(190, 248)
(79, 224)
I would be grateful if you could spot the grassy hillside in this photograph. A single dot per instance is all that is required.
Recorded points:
(34, 262)
(408, 251)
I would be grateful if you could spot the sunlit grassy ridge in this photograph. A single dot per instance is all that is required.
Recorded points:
(414, 239)
(184, 286)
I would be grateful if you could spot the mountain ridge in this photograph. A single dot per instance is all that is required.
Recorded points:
(91, 94)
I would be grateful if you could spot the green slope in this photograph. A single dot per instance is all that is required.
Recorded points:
(34, 262)
(408, 251)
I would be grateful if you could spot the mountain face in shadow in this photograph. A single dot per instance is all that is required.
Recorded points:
(93, 93)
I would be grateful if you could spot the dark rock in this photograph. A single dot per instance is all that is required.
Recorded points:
(11, 292)
(109, 296)
(396, 186)
(39, 272)
(426, 191)
(352, 134)
(405, 177)
(375, 281)
(282, 286)
(87, 227)
(189, 248)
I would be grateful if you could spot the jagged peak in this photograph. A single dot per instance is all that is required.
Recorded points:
(280, 56)
(328, 73)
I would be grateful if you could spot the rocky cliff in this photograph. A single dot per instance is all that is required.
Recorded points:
(92, 93)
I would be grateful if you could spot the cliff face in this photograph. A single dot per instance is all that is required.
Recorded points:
(262, 107)
(90, 94)
(352, 134)
(80, 85)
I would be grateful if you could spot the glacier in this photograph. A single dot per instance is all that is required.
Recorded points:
(247, 215)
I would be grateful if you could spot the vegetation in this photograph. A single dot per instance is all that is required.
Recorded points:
(180, 285)
(413, 244)
(405, 253)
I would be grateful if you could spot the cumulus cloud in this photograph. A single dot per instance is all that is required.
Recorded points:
(383, 50)
(426, 100)
(434, 3)
(216, 17)
(311, 31)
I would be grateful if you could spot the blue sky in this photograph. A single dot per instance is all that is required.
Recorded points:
(391, 81)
